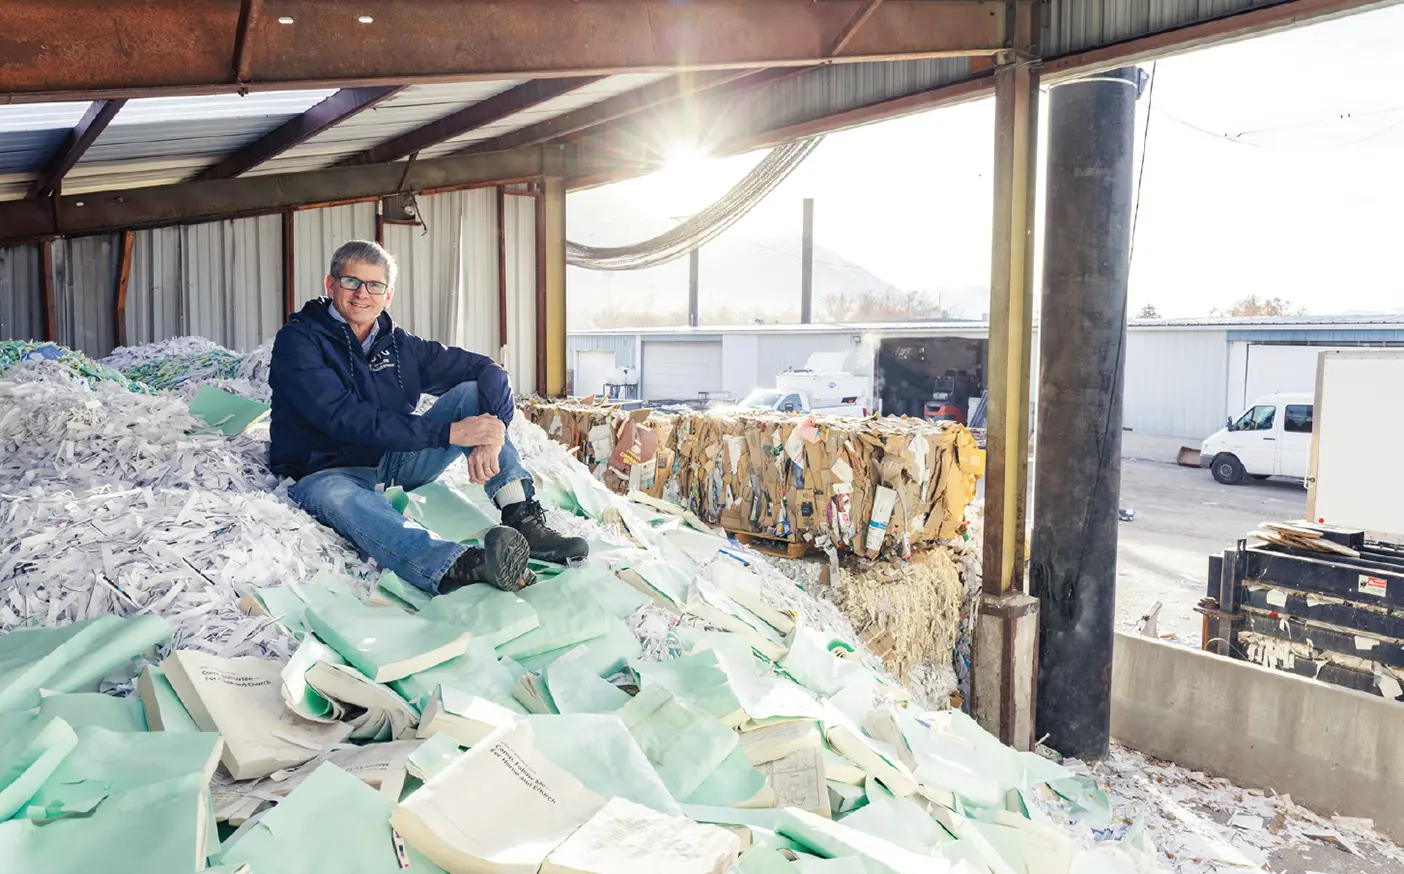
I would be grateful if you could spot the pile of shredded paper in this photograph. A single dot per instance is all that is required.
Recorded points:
(195, 673)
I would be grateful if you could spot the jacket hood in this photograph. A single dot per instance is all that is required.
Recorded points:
(318, 312)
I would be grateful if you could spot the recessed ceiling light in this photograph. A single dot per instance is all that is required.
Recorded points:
(365, 19)
(285, 19)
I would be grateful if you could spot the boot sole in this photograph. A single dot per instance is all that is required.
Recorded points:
(507, 554)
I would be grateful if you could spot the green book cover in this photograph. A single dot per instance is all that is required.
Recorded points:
(567, 613)
(153, 829)
(606, 655)
(104, 763)
(477, 672)
(600, 752)
(72, 658)
(447, 512)
(228, 412)
(84, 709)
(161, 704)
(332, 822)
(488, 613)
(685, 744)
(30, 758)
(384, 643)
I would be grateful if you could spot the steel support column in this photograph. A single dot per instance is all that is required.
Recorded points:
(1082, 360)
(1002, 687)
(124, 279)
(552, 208)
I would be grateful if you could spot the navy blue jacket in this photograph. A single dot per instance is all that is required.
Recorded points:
(335, 405)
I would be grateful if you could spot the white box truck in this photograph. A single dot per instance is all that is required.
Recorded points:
(821, 386)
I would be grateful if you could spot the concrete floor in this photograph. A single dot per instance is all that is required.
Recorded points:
(1182, 517)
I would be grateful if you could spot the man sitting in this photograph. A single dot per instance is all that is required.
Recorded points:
(345, 384)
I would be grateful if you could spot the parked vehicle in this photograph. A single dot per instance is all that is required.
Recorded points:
(1270, 438)
(822, 386)
(785, 401)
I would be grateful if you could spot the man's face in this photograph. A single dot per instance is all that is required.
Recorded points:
(359, 307)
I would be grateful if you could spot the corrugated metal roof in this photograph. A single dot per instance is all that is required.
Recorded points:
(833, 89)
(1075, 25)
(151, 141)
(145, 110)
(411, 108)
(577, 99)
(175, 138)
(26, 151)
(1363, 319)
(40, 116)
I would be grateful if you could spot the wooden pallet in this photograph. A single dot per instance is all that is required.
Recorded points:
(771, 544)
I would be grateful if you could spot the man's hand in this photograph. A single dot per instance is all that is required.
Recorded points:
(484, 430)
(482, 463)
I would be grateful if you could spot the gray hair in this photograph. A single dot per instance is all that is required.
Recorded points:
(366, 252)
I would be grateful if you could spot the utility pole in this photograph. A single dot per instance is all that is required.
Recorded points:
(693, 259)
(694, 264)
(807, 264)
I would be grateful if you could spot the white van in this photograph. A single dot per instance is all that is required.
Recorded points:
(1270, 438)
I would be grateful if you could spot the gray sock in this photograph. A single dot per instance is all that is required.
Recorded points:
(512, 493)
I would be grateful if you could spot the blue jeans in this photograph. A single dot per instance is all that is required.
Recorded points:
(346, 498)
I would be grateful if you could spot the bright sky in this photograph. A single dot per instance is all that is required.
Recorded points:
(1274, 167)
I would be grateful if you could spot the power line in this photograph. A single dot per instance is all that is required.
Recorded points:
(1141, 174)
(1340, 116)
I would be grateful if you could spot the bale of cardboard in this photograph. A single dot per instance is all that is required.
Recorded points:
(873, 486)
(628, 450)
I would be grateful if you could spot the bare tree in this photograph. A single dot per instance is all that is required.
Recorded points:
(1148, 312)
(1252, 305)
(877, 305)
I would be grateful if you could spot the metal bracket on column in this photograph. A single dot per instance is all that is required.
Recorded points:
(1011, 300)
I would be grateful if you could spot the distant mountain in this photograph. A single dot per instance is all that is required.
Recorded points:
(740, 279)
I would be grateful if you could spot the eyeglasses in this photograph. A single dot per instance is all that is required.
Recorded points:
(351, 283)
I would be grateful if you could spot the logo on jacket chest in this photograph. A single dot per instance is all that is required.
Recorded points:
(383, 360)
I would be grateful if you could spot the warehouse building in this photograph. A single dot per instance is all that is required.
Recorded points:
(1184, 377)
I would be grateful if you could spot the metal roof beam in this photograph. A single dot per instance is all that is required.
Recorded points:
(325, 115)
(249, 13)
(175, 46)
(611, 109)
(83, 135)
(187, 202)
(469, 119)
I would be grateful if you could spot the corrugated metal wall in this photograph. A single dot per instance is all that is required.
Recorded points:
(448, 289)
(154, 309)
(223, 280)
(21, 298)
(426, 290)
(1176, 382)
(476, 301)
(622, 345)
(317, 233)
(85, 283)
(219, 280)
(519, 227)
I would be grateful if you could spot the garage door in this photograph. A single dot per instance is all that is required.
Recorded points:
(592, 370)
(677, 370)
(1273, 369)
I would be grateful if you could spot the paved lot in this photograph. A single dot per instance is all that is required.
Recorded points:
(1182, 517)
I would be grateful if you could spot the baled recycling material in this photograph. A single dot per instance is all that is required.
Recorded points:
(869, 486)
(662, 716)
